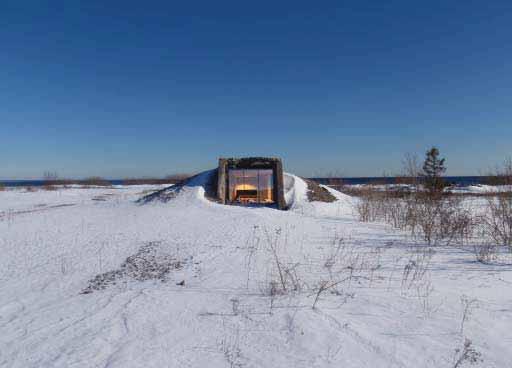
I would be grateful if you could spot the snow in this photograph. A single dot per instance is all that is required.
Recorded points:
(466, 189)
(296, 199)
(481, 189)
(223, 315)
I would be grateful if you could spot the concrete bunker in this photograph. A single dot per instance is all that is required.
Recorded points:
(251, 181)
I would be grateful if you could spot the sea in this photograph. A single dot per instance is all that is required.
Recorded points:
(461, 181)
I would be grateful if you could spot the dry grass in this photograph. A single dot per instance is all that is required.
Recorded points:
(435, 220)
(96, 181)
(318, 193)
(445, 220)
(498, 220)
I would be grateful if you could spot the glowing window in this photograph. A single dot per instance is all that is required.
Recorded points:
(251, 186)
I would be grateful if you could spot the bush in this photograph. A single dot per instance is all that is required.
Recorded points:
(434, 220)
(498, 219)
(440, 218)
(170, 179)
(369, 206)
(50, 180)
(485, 253)
(96, 181)
(503, 175)
(176, 178)
(444, 220)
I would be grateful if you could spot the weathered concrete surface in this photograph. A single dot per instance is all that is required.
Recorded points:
(279, 184)
(222, 180)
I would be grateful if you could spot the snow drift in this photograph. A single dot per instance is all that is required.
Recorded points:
(201, 188)
(187, 282)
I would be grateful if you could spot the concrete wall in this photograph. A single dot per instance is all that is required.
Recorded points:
(222, 180)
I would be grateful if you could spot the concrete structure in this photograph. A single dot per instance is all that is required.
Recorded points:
(251, 181)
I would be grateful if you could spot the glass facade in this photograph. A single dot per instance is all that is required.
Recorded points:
(251, 186)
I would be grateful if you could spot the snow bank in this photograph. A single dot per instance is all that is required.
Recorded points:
(481, 189)
(204, 298)
(297, 199)
(194, 190)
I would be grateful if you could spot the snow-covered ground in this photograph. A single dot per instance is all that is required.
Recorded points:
(237, 288)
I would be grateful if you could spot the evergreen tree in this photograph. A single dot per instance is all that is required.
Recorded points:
(433, 169)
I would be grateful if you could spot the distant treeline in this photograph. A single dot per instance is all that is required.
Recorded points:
(171, 179)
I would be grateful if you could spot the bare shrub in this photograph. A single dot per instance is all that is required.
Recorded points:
(170, 179)
(442, 220)
(272, 289)
(288, 278)
(50, 176)
(50, 180)
(364, 206)
(230, 348)
(466, 354)
(417, 266)
(371, 204)
(411, 171)
(96, 181)
(324, 286)
(177, 177)
(424, 292)
(416, 280)
(485, 252)
(502, 175)
(252, 246)
(311, 277)
(344, 263)
(498, 217)
(467, 305)
(425, 213)
(335, 180)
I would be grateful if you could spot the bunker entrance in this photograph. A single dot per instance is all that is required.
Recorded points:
(251, 186)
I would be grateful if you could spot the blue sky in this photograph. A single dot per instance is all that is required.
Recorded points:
(149, 88)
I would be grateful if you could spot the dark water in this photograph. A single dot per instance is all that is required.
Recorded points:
(38, 183)
(455, 180)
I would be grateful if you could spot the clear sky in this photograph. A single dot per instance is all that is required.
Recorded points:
(143, 88)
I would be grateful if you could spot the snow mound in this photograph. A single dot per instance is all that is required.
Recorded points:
(296, 196)
(295, 191)
(202, 188)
